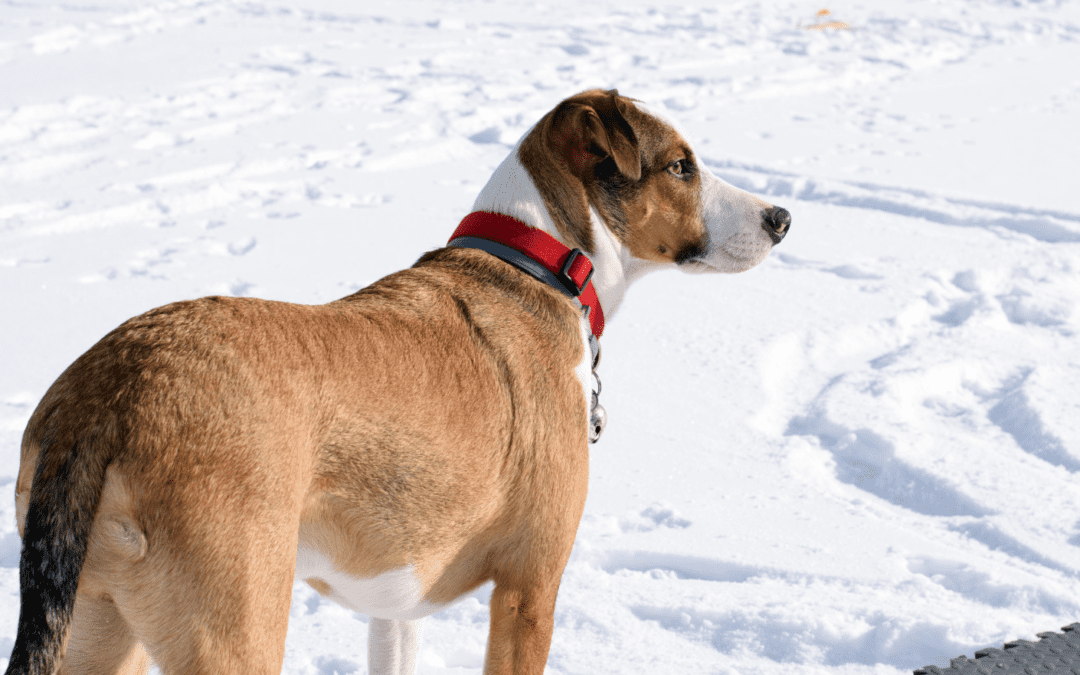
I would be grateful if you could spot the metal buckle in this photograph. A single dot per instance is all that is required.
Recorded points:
(564, 277)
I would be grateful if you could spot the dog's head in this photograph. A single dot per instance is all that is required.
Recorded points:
(607, 152)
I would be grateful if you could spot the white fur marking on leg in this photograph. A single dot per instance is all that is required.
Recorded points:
(393, 646)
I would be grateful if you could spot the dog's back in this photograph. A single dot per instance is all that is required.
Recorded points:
(214, 437)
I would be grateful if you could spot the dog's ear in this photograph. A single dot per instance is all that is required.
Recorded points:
(590, 127)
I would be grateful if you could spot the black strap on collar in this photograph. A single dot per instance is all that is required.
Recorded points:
(520, 261)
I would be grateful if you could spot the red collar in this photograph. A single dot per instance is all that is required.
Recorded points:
(568, 270)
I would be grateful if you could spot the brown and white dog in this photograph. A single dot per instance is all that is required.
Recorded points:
(394, 449)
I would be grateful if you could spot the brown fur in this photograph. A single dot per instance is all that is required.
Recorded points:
(239, 425)
(433, 420)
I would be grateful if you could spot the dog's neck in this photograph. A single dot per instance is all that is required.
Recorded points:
(512, 191)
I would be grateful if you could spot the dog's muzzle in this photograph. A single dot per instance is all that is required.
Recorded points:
(776, 222)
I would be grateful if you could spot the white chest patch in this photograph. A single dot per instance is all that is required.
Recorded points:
(396, 595)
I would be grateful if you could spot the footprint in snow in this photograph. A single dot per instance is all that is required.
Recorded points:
(669, 566)
(21, 401)
(958, 312)
(959, 577)
(329, 665)
(489, 135)
(23, 262)
(995, 539)
(107, 274)
(10, 549)
(240, 288)
(313, 603)
(242, 246)
(868, 461)
(155, 139)
(1024, 308)
(852, 272)
(657, 515)
(1018, 415)
(847, 271)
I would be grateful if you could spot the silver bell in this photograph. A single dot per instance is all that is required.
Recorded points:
(597, 421)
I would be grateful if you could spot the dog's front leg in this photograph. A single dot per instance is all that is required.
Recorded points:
(520, 634)
(393, 646)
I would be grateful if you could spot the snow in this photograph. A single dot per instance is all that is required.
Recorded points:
(860, 457)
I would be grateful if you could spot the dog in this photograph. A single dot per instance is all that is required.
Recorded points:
(395, 449)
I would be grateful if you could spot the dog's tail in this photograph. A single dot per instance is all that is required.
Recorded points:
(64, 496)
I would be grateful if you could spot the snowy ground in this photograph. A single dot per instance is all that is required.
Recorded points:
(860, 457)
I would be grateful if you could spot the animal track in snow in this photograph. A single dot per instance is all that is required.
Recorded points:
(667, 565)
(149, 262)
(958, 312)
(1047, 225)
(995, 539)
(107, 274)
(845, 271)
(10, 549)
(242, 246)
(23, 262)
(1023, 307)
(852, 272)
(328, 665)
(868, 461)
(831, 640)
(1043, 298)
(1017, 416)
(240, 288)
(652, 517)
(155, 140)
(978, 586)
(488, 135)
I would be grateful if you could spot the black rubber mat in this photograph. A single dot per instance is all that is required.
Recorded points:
(1053, 653)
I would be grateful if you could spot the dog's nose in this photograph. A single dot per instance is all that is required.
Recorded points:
(776, 221)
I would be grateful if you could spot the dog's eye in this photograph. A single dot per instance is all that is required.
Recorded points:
(677, 168)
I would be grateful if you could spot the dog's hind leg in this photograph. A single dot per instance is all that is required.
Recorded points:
(215, 600)
(205, 588)
(219, 610)
(216, 607)
(101, 641)
(393, 646)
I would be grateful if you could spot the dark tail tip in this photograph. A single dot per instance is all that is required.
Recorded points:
(63, 500)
